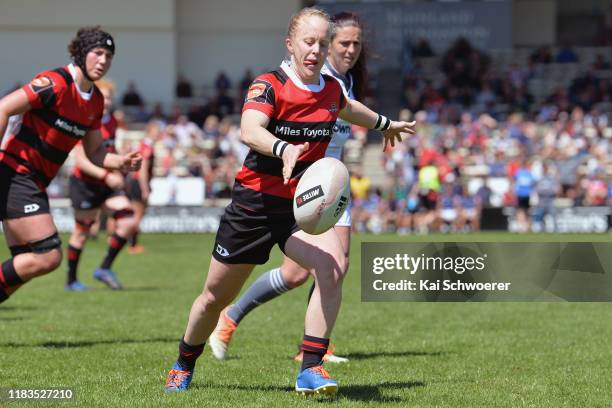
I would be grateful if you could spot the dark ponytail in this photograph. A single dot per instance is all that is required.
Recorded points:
(359, 72)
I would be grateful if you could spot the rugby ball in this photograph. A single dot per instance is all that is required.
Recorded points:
(321, 196)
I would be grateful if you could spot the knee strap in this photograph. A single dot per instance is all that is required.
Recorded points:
(19, 249)
(47, 244)
(123, 213)
(38, 247)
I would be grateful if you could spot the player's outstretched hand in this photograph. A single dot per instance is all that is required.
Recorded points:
(397, 130)
(290, 157)
(131, 161)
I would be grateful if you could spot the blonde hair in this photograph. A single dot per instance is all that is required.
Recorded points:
(106, 84)
(306, 12)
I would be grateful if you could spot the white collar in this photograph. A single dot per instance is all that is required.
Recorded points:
(298, 82)
(73, 72)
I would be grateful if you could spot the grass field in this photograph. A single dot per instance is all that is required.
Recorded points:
(114, 348)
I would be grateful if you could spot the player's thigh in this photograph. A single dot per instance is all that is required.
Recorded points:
(319, 254)
(117, 203)
(224, 281)
(90, 215)
(20, 231)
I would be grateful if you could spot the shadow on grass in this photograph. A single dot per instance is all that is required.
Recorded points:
(10, 319)
(242, 387)
(355, 392)
(79, 344)
(366, 356)
(20, 308)
(144, 288)
(374, 393)
(125, 289)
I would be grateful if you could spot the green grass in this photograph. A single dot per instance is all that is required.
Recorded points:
(114, 348)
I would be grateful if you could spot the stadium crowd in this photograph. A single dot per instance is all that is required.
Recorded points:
(489, 135)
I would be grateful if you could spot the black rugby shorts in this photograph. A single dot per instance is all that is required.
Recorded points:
(85, 195)
(247, 237)
(20, 195)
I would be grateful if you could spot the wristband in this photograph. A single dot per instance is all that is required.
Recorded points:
(278, 148)
(106, 173)
(382, 123)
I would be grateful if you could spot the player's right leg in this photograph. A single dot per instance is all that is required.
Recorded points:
(268, 286)
(83, 221)
(223, 283)
(28, 229)
(139, 205)
(35, 248)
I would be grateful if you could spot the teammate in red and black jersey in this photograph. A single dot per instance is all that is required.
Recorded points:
(92, 188)
(59, 108)
(138, 184)
(287, 121)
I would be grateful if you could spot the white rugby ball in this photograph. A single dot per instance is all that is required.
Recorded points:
(321, 196)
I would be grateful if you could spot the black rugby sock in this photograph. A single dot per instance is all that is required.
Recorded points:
(116, 244)
(314, 349)
(188, 355)
(73, 254)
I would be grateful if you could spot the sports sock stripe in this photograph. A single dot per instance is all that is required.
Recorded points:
(280, 281)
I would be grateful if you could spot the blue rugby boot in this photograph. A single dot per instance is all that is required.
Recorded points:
(315, 380)
(178, 380)
(107, 277)
(75, 286)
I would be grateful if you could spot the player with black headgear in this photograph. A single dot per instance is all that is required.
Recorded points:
(59, 108)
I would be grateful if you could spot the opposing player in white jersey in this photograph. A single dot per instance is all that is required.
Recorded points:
(346, 62)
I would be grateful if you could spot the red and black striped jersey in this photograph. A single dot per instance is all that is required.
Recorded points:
(108, 130)
(58, 119)
(298, 113)
(147, 151)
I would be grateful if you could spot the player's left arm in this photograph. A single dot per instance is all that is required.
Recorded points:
(97, 154)
(359, 114)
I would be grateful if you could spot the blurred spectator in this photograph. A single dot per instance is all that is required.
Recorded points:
(542, 55)
(596, 189)
(567, 162)
(224, 104)
(447, 209)
(243, 85)
(360, 188)
(484, 194)
(422, 49)
(211, 127)
(548, 189)
(184, 89)
(601, 63)
(606, 28)
(429, 187)
(566, 55)
(469, 211)
(464, 67)
(132, 97)
(222, 82)
(523, 186)
(187, 133)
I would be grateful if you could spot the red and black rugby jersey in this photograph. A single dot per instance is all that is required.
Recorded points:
(58, 119)
(108, 130)
(297, 115)
(147, 151)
